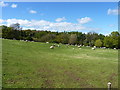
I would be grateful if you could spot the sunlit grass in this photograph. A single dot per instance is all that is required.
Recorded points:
(35, 65)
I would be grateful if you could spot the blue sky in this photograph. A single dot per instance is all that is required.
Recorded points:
(100, 17)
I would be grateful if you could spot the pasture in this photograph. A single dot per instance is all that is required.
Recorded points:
(35, 65)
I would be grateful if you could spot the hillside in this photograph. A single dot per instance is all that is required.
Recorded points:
(35, 65)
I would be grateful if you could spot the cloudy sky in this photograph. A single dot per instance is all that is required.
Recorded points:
(100, 17)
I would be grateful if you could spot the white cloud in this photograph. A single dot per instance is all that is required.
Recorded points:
(50, 26)
(112, 12)
(84, 20)
(14, 5)
(60, 19)
(20, 21)
(2, 4)
(33, 11)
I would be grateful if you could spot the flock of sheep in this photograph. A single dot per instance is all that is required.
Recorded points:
(79, 46)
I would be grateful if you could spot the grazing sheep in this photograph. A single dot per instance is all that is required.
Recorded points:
(115, 48)
(47, 42)
(58, 45)
(51, 47)
(75, 44)
(83, 45)
(87, 46)
(79, 46)
(104, 47)
(54, 45)
(93, 48)
(14, 39)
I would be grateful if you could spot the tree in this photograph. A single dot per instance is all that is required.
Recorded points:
(98, 43)
(111, 41)
(47, 37)
(108, 42)
(16, 26)
(91, 37)
(62, 38)
(73, 39)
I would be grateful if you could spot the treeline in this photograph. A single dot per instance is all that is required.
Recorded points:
(89, 39)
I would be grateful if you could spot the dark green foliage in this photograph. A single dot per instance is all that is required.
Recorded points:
(62, 38)
(73, 39)
(89, 39)
(98, 43)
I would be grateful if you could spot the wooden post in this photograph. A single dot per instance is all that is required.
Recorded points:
(109, 85)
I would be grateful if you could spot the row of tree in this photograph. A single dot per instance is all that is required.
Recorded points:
(89, 39)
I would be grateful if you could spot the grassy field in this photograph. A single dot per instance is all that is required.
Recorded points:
(35, 65)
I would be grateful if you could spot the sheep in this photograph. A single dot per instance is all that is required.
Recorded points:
(115, 48)
(93, 48)
(79, 46)
(73, 48)
(75, 44)
(58, 45)
(14, 39)
(87, 46)
(104, 47)
(51, 47)
(67, 44)
(54, 45)
(47, 42)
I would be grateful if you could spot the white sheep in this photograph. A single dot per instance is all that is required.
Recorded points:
(47, 42)
(115, 48)
(58, 45)
(104, 47)
(79, 46)
(51, 47)
(75, 44)
(93, 48)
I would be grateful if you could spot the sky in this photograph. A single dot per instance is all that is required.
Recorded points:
(99, 17)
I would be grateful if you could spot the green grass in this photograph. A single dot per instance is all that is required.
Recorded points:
(35, 65)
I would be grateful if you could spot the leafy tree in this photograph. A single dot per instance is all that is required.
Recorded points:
(98, 43)
(91, 38)
(62, 38)
(47, 37)
(73, 39)
(108, 42)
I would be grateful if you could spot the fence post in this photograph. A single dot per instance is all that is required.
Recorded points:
(109, 85)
